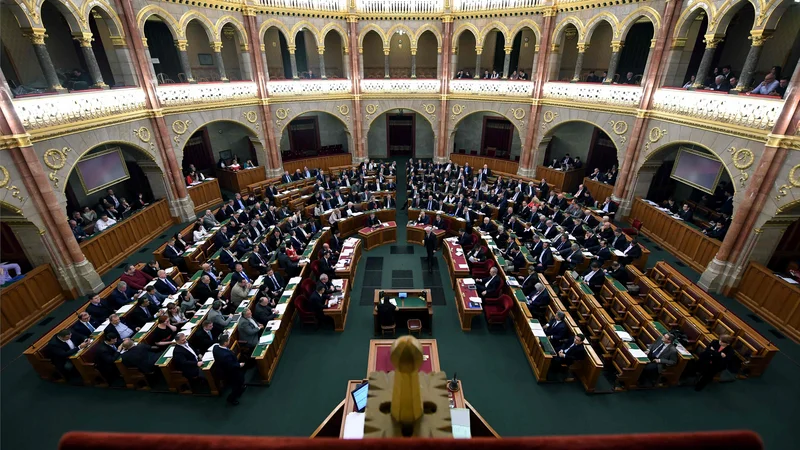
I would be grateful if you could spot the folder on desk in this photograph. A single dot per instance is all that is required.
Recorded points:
(463, 266)
(624, 336)
(295, 280)
(477, 300)
(252, 292)
(170, 350)
(619, 253)
(208, 356)
(125, 308)
(274, 324)
(281, 308)
(267, 339)
(354, 426)
(637, 353)
(146, 327)
(468, 281)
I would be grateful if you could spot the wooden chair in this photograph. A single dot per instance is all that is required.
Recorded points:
(306, 316)
(414, 326)
(391, 328)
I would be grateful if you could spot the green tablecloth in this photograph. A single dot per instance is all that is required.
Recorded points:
(196, 275)
(633, 346)
(660, 327)
(520, 296)
(617, 285)
(585, 288)
(547, 346)
(411, 302)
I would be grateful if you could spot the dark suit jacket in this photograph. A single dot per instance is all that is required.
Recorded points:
(228, 366)
(597, 279)
(557, 333)
(620, 275)
(81, 330)
(185, 362)
(686, 215)
(203, 292)
(138, 317)
(603, 255)
(539, 300)
(576, 353)
(492, 286)
(99, 312)
(105, 356)
(118, 299)
(547, 259)
(59, 351)
(164, 288)
(141, 358)
(201, 341)
(430, 242)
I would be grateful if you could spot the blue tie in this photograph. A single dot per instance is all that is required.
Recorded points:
(171, 286)
(89, 326)
(244, 275)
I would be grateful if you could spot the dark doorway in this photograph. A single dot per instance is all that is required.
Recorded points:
(198, 152)
(10, 248)
(304, 136)
(496, 137)
(161, 46)
(602, 152)
(401, 134)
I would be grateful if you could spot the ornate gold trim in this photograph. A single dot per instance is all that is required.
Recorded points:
(15, 141)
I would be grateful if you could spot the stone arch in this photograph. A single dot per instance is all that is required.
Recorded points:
(18, 199)
(77, 22)
(339, 29)
(191, 130)
(277, 24)
(716, 155)
(768, 16)
(169, 20)
(337, 115)
(465, 27)
(26, 18)
(563, 24)
(595, 21)
(726, 12)
(394, 29)
(204, 21)
(420, 111)
(114, 25)
(139, 149)
(235, 23)
(645, 11)
(432, 29)
(526, 23)
(300, 26)
(688, 15)
(495, 25)
(602, 121)
(367, 29)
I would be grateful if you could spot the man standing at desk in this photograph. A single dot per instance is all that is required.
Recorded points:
(230, 368)
(430, 246)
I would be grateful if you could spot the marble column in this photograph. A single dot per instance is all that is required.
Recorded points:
(245, 63)
(506, 62)
(346, 62)
(751, 62)
(85, 41)
(535, 61)
(649, 58)
(293, 61)
(217, 47)
(413, 63)
(579, 62)
(321, 53)
(183, 56)
(361, 62)
(385, 63)
(37, 36)
(478, 51)
(705, 63)
(553, 63)
(126, 64)
(453, 64)
(616, 51)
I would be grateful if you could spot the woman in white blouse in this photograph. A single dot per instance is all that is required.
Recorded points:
(336, 215)
(199, 232)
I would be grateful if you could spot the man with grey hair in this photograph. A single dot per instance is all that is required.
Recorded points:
(720, 83)
(186, 358)
(121, 296)
(538, 301)
(209, 221)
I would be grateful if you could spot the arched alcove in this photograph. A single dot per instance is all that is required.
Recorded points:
(372, 57)
(221, 140)
(334, 55)
(467, 56)
(636, 51)
(427, 55)
(487, 133)
(597, 56)
(63, 49)
(277, 51)
(163, 53)
(314, 133)
(400, 132)
(580, 139)
(400, 55)
(568, 46)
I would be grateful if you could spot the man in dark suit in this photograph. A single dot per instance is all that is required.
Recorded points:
(185, 358)
(686, 213)
(120, 296)
(557, 330)
(537, 301)
(204, 290)
(608, 207)
(139, 357)
(430, 242)
(97, 309)
(257, 262)
(386, 312)
(619, 242)
(106, 355)
(230, 369)
(571, 353)
(439, 223)
(60, 348)
(213, 278)
(84, 327)
(151, 268)
(662, 354)
(317, 302)
(545, 259)
(632, 252)
(489, 287)
(173, 255)
(164, 284)
(204, 338)
(286, 178)
(594, 277)
(618, 272)
(326, 265)
(140, 314)
(373, 221)
(574, 257)
(550, 231)
(336, 242)
(602, 253)
(518, 259)
(290, 267)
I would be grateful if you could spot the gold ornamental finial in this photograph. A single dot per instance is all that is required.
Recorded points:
(406, 396)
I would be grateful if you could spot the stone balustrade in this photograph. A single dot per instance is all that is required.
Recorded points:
(52, 110)
(492, 88)
(190, 94)
(301, 88)
(751, 111)
(400, 86)
(604, 94)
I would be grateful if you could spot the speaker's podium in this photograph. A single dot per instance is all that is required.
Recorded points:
(405, 394)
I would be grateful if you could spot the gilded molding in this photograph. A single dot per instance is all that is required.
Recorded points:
(55, 160)
(783, 141)
(15, 141)
(5, 183)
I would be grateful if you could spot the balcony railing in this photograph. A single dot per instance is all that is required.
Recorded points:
(311, 5)
(292, 88)
(402, 86)
(52, 110)
(191, 94)
(400, 6)
(604, 94)
(492, 88)
(492, 5)
(743, 110)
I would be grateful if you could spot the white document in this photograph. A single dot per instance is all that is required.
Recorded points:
(281, 308)
(187, 285)
(624, 336)
(476, 300)
(469, 281)
(102, 326)
(167, 270)
(252, 292)
(169, 351)
(147, 326)
(209, 356)
(587, 254)
(187, 326)
(295, 280)
(637, 353)
(259, 281)
(537, 329)
(558, 258)
(267, 339)
(393, 301)
(337, 282)
(354, 426)
(512, 282)
(682, 350)
(460, 421)
(274, 324)
(288, 293)
(618, 253)
(125, 308)
(332, 303)
(463, 266)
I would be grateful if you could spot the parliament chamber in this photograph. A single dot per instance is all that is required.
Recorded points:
(216, 214)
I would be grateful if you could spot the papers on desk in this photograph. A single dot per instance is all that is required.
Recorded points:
(682, 350)
(252, 292)
(304, 261)
(788, 280)
(469, 281)
(537, 329)
(288, 293)
(618, 252)
(280, 309)
(350, 242)
(588, 254)
(624, 336)
(102, 326)
(347, 251)
(393, 301)
(274, 324)
(124, 309)
(259, 281)
(333, 302)
(477, 300)
(170, 350)
(188, 326)
(338, 283)
(146, 327)
(512, 281)
(486, 237)
(459, 418)
(463, 266)
(267, 339)
(168, 270)
(558, 258)
(243, 305)
(358, 213)
(295, 280)
(186, 285)
(637, 353)
(208, 356)
(354, 426)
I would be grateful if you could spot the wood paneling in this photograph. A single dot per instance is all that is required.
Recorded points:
(477, 162)
(772, 298)
(598, 190)
(687, 243)
(205, 195)
(113, 245)
(28, 300)
(319, 162)
(566, 181)
(239, 180)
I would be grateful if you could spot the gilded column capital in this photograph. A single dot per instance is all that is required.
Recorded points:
(245, 47)
(216, 46)
(263, 47)
(36, 35)
(478, 49)
(292, 49)
(616, 46)
(582, 47)
(144, 42)
(352, 18)
(248, 10)
(712, 40)
(414, 51)
(321, 49)
(555, 48)
(758, 37)
(182, 44)
(653, 43)
(118, 41)
(386, 51)
(536, 48)
(507, 50)
(447, 18)
(551, 11)
(84, 39)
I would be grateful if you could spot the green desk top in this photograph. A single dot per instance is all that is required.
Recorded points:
(633, 346)
(411, 302)
(547, 346)
(196, 275)
(227, 278)
(617, 285)
(660, 327)
(527, 254)
(585, 288)
(520, 296)
(163, 359)
(216, 254)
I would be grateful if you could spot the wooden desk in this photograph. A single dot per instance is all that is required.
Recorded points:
(385, 233)
(773, 298)
(416, 306)
(351, 225)
(28, 300)
(239, 181)
(347, 263)
(600, 191)
(380, 356)
(477, 162)
(466, 309)
(205, 195)
(415, 234)
(268, 352)
(318, 162)
(339, 312)
(456, 261)
(686, 242)
(564, 180)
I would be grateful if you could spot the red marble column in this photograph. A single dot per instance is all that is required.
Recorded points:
(624, 184)
(273, 153)
(163, 143)
(359, 152)
(447, 50)
(527, 159)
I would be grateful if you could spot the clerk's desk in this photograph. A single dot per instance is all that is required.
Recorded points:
(347, 263)
(417, 305)
(385, 233)
(379, 360)
(415, 234)
(350, 225)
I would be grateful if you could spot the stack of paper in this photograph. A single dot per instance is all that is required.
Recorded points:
(122, 310)
(393, 301)
(537, 329)
(337, 282)
(252, 292)
(618, 253)
(146, 327)
(102, 326)
(267, 339)
(637, 353)
(463, 266)
(259, 281)
(208, 356)
(170, 350)
(332, 303)
(682, 350)
(274, 324)
(187, 326)
(624, 336)
(512, 282)
(280, 309)
(476, 300)
(295, 280)
(468, 281)
(288, 293)
(459, 418)
(354, 426)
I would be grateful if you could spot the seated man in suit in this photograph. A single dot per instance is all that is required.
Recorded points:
(140, 314)
(545, 259)
(326, 264)
(164, 284)
(151, 268)
(594, 277)
(60, 348)
(463, 237)
(662, 354)
(557, 329)
(186, 359)
(686, 213)
(570, 353)
(632, 252)
(106, 355)
(84, 327)
(537, 301)
(173, 255)
(518, 259)
(317, 302)
(249, 330)
(98, 309)
(477, 254)
(618, 272)
(373, 221)
(290, 267)
(608, 207)
(386, 312)
(273, 284)
(122, 329)
(489, 287)
(423, 218)
(120, 296)
(263, 311)
(257, 262)
(215, 315)
(574, 258)
(204, 337)
(230, 368)
(204, 290)
(563, 246)
(439, 223)
(138, 356)
(243, 245)
(487, 226)
(602, 253)
(619, 241)
(239, 292)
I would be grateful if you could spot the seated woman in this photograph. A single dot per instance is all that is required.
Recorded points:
(139, 202)
(180, 244)
(191, 178)
(235, 165)
(199, 231)
(249, 164)
(188, 304)
(176, 316)
(124, 207)
(163, 333)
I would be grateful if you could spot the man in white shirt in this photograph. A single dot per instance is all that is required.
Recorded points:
(768, 85)
(103, 222)
(594, 277)
(123, 330)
